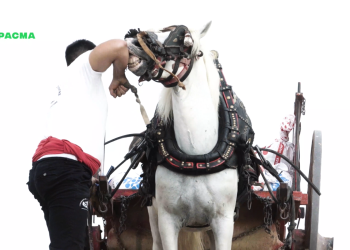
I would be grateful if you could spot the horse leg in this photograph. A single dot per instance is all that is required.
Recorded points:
(153, 221)
(223, 231)
(169, 227)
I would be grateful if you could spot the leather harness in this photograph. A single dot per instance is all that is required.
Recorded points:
(172, 49)
(233, 149)
(235, 133)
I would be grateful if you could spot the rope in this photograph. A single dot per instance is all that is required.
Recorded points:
(142, 108)
(143, 112)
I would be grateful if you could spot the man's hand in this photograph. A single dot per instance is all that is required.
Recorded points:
(116, 87)
(113, 52)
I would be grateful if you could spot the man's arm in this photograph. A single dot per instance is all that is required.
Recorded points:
(112, 52)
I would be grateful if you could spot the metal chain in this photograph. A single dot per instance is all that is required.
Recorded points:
(303, 107)
(248, 232)
(124, 204)
(249, 201)
(267, 217)
(267, 212)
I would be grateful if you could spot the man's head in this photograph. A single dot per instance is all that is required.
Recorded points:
(77, 48)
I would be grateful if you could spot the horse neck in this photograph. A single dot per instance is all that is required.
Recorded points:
(195, 117)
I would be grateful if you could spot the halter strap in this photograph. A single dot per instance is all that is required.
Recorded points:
(153, 57)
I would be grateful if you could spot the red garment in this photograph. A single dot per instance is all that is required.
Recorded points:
(52, 145)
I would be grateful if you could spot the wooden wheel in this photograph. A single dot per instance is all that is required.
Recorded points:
(312, 209)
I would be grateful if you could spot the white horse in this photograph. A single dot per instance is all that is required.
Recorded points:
(192, 201)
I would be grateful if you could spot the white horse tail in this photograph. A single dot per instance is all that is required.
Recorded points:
(190, 240)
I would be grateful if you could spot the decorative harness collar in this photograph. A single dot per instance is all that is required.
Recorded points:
(235, 133)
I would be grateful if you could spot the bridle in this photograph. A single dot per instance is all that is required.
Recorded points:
(173, 48)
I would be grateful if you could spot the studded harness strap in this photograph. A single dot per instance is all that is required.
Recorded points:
(235, 133)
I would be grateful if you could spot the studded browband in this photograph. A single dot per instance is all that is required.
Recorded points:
(234, 130)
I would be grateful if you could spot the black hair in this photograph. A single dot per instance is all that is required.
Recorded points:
(77, 48)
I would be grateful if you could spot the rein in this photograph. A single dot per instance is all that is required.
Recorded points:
(123, 136)
(295, 167)
(127, 156)
(268, 167)
(135, 151)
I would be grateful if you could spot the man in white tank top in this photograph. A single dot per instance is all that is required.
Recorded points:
(73, 146)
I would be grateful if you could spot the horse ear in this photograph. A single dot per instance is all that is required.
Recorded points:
(205, 29)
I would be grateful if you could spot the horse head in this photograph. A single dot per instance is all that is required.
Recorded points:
(166, 55)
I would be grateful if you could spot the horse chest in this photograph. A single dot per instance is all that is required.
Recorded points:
(196, 197)
(196, 126)
(196, 140)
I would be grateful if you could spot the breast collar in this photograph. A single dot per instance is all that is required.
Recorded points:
(235, 134)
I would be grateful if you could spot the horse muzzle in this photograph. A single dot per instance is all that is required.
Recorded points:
(139, 60)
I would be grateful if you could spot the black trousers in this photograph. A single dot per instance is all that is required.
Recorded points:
(62, 187)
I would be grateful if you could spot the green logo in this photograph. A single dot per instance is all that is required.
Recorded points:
(17, 35)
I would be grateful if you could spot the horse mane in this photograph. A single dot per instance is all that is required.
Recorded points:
(164, 107)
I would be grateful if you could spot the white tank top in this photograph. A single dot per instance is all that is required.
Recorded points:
(79, 112)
